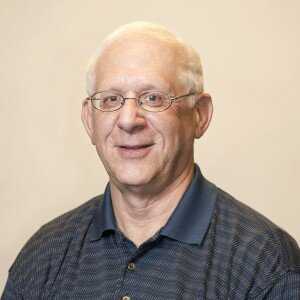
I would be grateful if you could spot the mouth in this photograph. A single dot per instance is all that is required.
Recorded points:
(134, 151)
(135, 147)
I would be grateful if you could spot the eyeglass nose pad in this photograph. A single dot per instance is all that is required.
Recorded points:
(122, 101)
(139, 102)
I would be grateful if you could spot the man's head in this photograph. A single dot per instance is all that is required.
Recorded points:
(188, 63)
(141, 149)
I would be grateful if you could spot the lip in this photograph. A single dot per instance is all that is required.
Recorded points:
(134, 151)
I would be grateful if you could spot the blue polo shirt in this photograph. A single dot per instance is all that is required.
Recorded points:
(212, 247)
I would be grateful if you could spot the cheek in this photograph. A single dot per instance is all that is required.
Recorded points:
(180, 120)
(169, 130)
(102, 128)
(186, 115)
(179, 130)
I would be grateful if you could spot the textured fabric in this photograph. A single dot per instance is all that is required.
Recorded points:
(213, 247)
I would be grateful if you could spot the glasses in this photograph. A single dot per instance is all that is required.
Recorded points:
(154, 101)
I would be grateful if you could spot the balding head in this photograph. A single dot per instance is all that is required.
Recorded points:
(185, 59)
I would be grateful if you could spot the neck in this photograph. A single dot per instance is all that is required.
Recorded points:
(140, 216)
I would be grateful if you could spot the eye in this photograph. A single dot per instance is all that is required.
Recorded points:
(107, 101)
(154, 99)
(110, 98)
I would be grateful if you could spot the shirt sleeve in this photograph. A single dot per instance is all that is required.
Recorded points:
(10, 292)
(286, 288)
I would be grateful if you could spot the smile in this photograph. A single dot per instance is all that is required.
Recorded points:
(134, 151)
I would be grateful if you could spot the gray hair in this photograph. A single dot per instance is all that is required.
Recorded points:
(190, 72)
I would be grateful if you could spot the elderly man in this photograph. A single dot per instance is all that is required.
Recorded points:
(161, 230)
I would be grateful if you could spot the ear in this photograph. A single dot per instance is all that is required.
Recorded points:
(203, 114)
(87, 118)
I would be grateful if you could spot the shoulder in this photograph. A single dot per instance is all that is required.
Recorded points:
(47, 248)
(256, 247)
(252, 228)
(63, 227)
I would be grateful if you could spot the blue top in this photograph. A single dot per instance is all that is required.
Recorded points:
(212, 247)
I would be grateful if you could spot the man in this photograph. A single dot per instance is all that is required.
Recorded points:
(161, 230)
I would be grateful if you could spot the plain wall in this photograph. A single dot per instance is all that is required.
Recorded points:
(250, 52)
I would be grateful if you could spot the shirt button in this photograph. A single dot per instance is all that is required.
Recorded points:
(126, 298)
(131, 267)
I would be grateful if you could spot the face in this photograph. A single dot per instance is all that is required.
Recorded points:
(141, 149)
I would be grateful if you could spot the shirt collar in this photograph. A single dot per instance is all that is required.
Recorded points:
(104, 219)
(191, 218)
(188, 223)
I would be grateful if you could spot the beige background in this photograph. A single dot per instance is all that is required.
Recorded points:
(250, 51)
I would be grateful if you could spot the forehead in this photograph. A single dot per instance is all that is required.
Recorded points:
(137, 62)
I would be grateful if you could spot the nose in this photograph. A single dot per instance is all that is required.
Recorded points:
(131, 118)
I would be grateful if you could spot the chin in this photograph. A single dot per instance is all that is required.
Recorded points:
(134, 176)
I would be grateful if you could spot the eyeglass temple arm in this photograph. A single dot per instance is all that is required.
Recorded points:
(181, 96)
